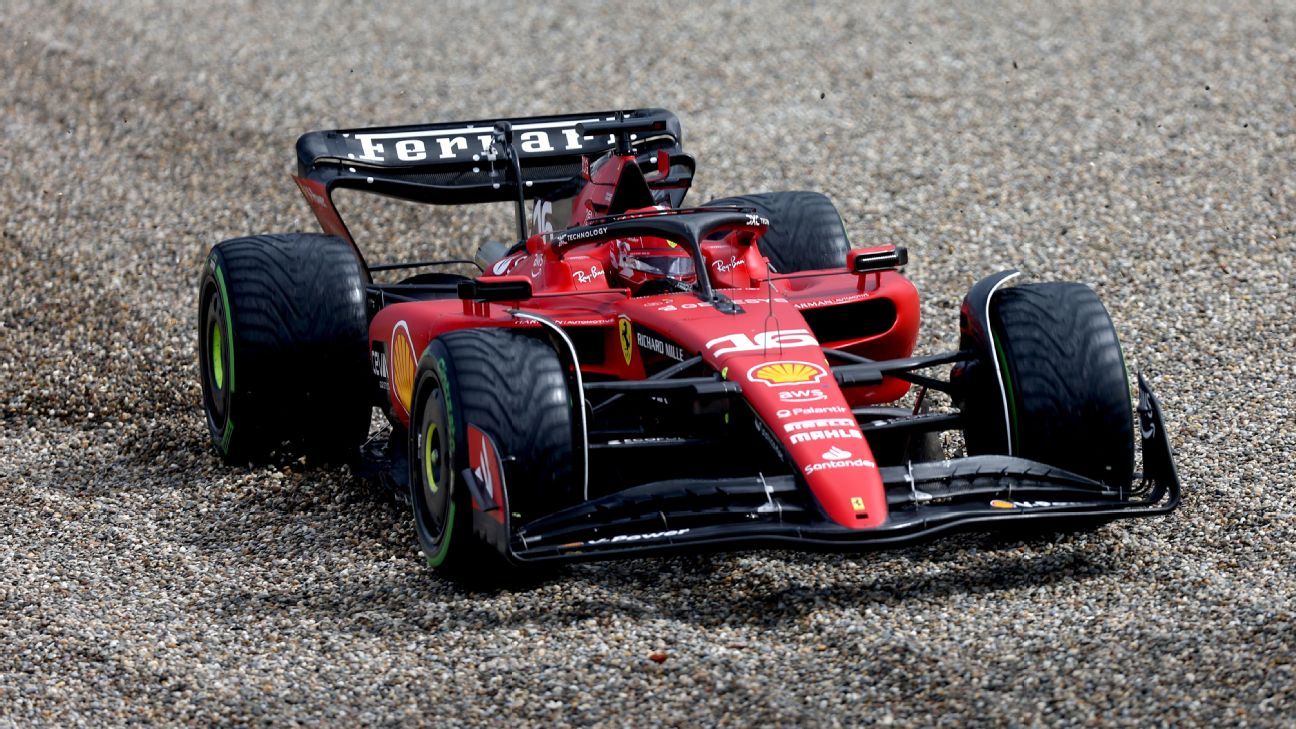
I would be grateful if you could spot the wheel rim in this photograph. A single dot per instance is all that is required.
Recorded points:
(431, 458)
(433, 498)
(214, 360)
(218, 357)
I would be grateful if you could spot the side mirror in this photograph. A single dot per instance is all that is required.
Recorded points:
(535, 244)
(503, 288)
(877, 258)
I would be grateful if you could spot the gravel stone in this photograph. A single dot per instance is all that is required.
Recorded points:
(1147, 151)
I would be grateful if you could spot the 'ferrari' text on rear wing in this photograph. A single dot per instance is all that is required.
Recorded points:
(457, 162)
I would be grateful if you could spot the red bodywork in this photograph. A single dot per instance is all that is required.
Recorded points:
(769, 348)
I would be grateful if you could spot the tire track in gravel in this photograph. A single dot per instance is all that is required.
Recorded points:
(72, 351)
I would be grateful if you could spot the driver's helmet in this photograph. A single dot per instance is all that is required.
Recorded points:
(648, 266)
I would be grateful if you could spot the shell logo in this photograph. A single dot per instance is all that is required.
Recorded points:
(780, 374)
(403, 365)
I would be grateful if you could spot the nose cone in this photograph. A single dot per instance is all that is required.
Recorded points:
(799, 401)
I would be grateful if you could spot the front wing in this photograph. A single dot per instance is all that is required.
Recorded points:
(926, 500)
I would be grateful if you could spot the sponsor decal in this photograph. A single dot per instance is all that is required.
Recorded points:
(537, 265)
(580, 321)
(835, 458)
(787, 373)
(645, 441)
(472, 142)
(315, 198)
(811, 430)
(762, 341)
(502, 265)
(819, 423)
(378, 362)
(566, 237)
(802, 396)
(1003, 504)
(798, 412)
(673, 305)
(814, 435)
(754, 219)
(625, 328)
(836, 454)
(830, 301)
(660, 346)
(484, 461)
(857, 503)
(727, 266)
(403, 364)
(584, 277)
(621, 538)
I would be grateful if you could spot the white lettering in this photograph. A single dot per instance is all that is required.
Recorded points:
(543, 217)
(822, 423)
(638, 537)
(450, 144)
(802, 395)
(795, 412)
(411, 150)
(653, 344)
(726, 267)
(536, 142)
(857, 462)
(370, 150)
(573, 139)
(589, 276)
(827, 434)
(762, 341)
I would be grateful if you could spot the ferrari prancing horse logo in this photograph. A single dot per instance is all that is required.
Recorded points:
(627, 339)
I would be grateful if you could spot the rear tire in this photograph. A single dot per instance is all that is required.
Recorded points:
(805, 232)
(1066, 383)
(283, 347)
(514, 388)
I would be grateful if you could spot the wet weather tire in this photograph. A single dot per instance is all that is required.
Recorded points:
(805, 231)
(282, 345)
(514, 388)
(1064, 375)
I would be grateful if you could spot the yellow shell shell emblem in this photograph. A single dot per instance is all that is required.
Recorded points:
(403, 367)
(776, 374)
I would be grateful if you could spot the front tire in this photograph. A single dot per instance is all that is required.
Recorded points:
(1065, 381)
(514, 388)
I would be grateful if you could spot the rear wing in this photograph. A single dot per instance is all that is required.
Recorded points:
(453, 163)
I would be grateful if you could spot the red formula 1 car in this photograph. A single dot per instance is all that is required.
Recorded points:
(636, 377)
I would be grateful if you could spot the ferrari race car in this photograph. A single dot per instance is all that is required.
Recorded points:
(636, 377)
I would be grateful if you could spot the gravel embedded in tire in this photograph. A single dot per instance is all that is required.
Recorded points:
(1146, 150)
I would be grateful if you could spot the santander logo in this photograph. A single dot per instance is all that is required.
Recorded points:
(835, 458)
(836, 454)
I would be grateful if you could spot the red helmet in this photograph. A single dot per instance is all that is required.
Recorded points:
(652, 266)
